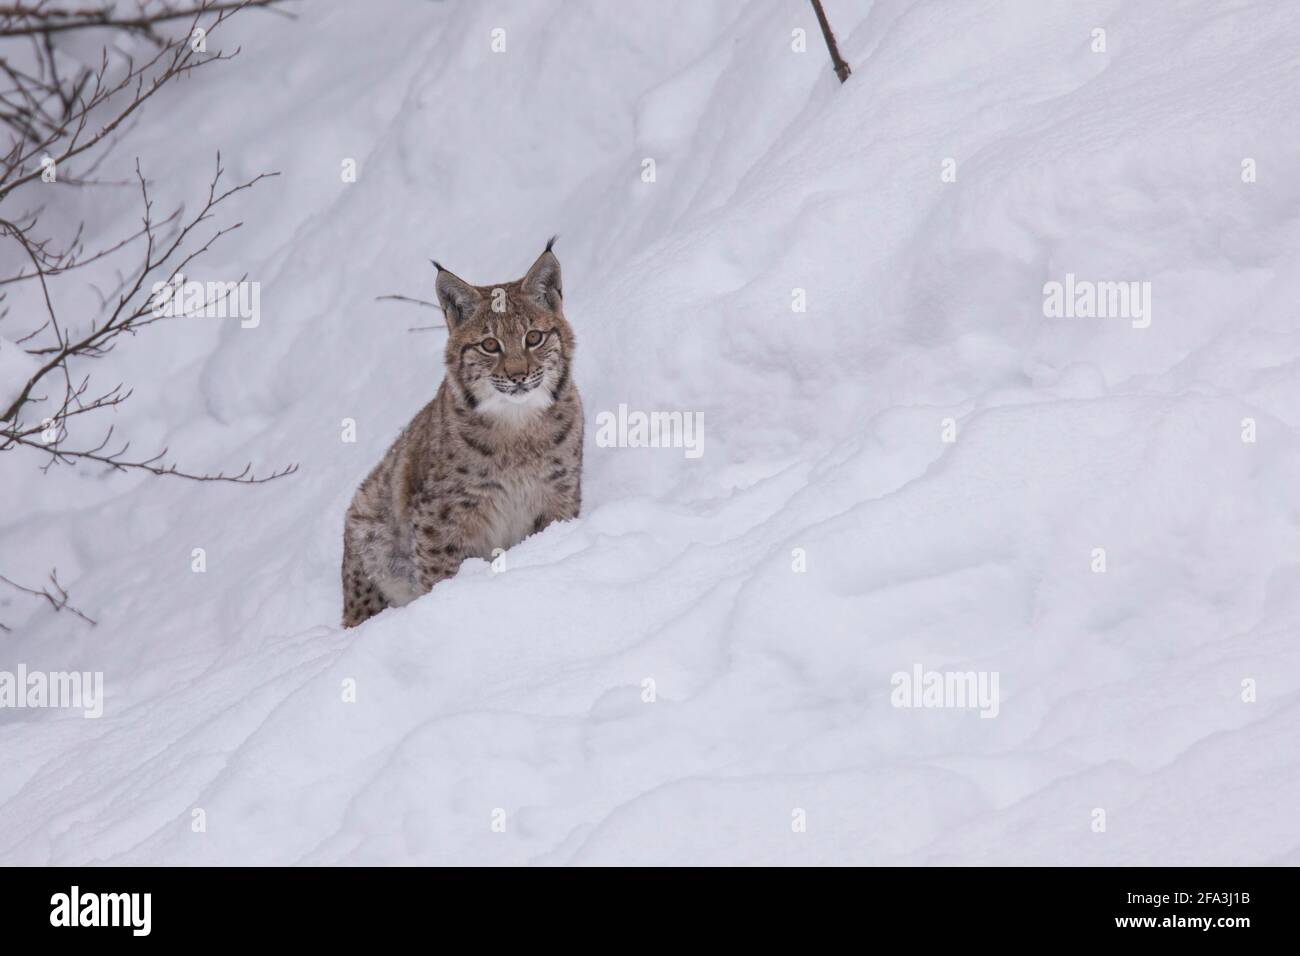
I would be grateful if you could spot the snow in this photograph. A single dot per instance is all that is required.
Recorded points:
(522, 690)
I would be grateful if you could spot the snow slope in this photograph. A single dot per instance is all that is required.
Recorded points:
(523, 691)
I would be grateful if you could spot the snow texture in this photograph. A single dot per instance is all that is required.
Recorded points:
(523, 691)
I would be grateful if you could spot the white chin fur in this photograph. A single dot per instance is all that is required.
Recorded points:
(514, 409)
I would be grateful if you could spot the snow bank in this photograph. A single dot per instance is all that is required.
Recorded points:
(521, 698)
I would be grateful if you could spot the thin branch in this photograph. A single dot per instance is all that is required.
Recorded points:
(66, 140)
(58, 599)
(407, 298)
(44, 21)
(841, 68)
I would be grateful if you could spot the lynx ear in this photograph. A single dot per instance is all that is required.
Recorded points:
(543, 280)
(456, 296)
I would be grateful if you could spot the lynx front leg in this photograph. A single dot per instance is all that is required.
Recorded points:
(440, 546)
(439, 563)
(564, 497)
(361, 599)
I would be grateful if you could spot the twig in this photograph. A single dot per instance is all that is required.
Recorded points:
(58, 600)
(407, 298)
(43, 21)
(841, 68)
(420, 302)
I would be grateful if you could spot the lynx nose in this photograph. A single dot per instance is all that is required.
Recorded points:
(517, 375)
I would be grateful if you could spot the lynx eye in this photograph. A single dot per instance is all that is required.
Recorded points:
(533, 339)
(490, 345)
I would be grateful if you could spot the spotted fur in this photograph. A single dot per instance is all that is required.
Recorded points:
(495, 457)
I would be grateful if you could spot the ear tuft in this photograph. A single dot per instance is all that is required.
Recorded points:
(543, 280)
(456, 296)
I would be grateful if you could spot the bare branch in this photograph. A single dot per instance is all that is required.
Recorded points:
(35, 19)
(58, 598)
(841, 68)
(57, 110)
(164, 258)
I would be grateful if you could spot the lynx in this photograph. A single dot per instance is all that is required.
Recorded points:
(495, 457)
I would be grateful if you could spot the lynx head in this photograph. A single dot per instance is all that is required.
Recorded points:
(508, 345)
